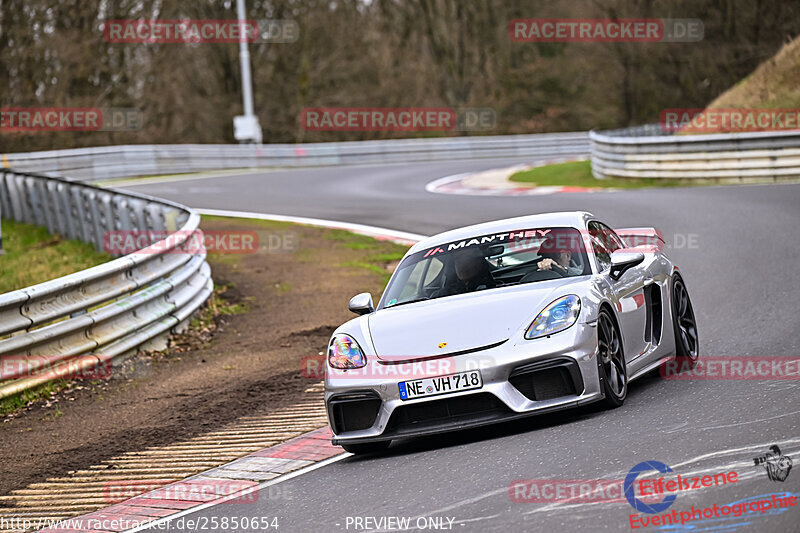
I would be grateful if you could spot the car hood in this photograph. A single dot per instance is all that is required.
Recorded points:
(457, 323)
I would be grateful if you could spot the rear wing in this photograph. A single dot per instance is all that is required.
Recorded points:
(644, 240)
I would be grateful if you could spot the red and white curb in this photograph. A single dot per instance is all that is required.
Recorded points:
(236, 482)
(500, 185)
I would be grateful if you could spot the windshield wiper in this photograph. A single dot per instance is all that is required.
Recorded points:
(414, 300)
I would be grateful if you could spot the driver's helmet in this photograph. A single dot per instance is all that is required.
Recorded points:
(471, 260)
(560, 240)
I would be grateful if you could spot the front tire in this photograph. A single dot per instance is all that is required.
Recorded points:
(367, 447)
(684, 324)
(611, 361)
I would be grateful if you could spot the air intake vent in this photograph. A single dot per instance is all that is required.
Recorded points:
(354, 411)
(548, 379)
(447, 411)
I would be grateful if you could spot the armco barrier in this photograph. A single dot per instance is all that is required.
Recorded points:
(88, 164)
(74, 323)
(646, 152)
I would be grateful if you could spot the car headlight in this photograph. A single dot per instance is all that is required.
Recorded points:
(344, 352)
(557, 316)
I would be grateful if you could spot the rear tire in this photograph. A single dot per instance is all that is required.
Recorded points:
(684, 325)
(367, 447)
(611, 361)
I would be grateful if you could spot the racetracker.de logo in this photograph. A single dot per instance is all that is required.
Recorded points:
(119, 491)
(728, 120)
(393, 367)
(124, 242)
(566, 490)
(540, 30)
(195, 490)
(397, 119)
(189, 31)
(88, 367)
(28, 119)
(759, 368)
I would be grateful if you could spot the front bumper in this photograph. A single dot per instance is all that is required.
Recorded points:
(520, 378)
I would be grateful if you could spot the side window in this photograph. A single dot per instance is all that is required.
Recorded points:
(430, 269)
(610, 238)
(412, 281)
(599, 247)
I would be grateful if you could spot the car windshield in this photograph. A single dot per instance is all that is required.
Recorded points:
(487, 262)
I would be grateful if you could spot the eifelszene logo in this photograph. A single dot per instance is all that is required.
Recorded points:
(630, 494)
(776, 464)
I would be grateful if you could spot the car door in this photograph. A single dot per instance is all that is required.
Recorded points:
(628, 291)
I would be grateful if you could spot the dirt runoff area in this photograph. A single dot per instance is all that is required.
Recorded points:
(274, 307)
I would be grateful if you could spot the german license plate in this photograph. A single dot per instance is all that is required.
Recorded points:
(419, 388)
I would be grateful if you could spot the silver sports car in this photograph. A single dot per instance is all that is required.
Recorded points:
(502, 320)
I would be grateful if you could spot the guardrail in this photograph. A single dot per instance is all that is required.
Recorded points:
(646, 152)
(84, 320)
(88, 164)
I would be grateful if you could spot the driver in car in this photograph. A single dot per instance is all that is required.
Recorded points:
(473, 271)
(472, 274)
(557, 258)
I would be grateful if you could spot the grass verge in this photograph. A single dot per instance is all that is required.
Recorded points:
(579, 174)
(33, 256)
(26, 398)
(379, 257)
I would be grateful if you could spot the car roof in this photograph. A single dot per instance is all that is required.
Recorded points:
(567, 219)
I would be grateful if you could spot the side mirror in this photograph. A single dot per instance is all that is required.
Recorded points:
(622, 261)
(361, 304)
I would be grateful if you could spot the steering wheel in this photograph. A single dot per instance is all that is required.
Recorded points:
(561, 273)
(540, 275)
(428, 292)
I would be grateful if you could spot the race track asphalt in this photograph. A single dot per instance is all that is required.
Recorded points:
(738, 248)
